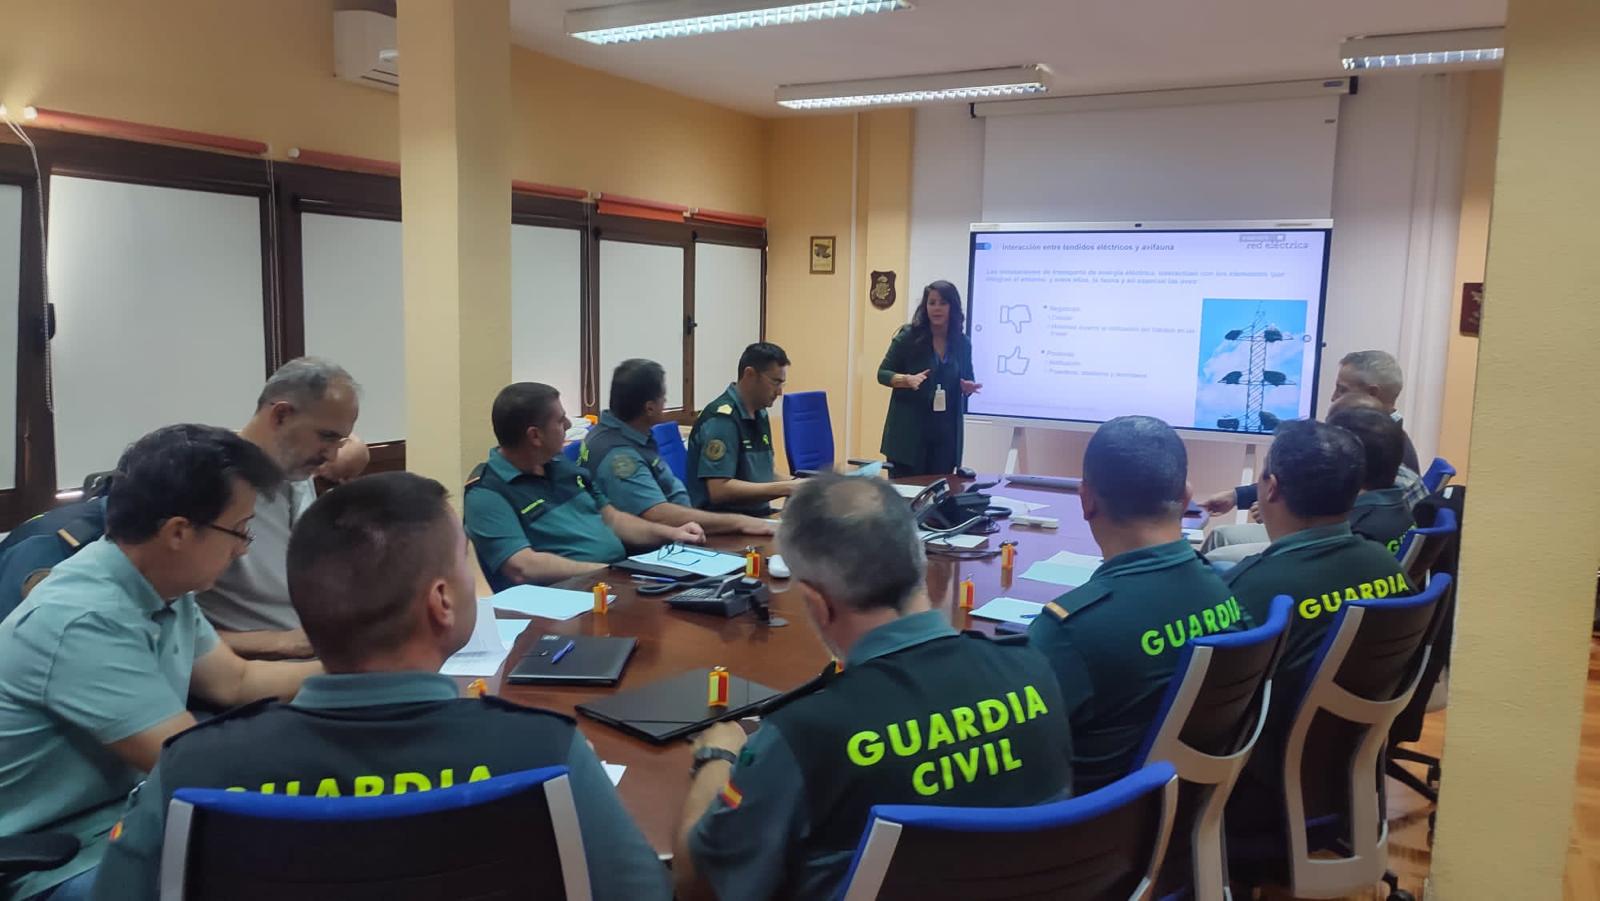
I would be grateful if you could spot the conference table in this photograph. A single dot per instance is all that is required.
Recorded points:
(671, 642)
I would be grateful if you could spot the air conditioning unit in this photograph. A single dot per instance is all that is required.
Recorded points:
(365, 49)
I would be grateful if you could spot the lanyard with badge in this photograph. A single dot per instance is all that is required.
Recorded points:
(941, 402)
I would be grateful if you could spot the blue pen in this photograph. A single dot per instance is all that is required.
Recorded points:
(563, 652)
(661, 580)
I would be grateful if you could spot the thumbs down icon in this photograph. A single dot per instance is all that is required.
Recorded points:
(1013, 363)
(1016, 315)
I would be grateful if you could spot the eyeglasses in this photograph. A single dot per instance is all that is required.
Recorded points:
(245, 537)
(682, 552)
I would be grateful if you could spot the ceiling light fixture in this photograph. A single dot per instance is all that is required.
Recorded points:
(1466, 48)
(653, 19)
(980, 84)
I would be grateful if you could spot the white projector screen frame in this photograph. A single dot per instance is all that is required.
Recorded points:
(1323, 227)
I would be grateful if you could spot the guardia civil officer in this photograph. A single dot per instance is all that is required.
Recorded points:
(622, 457)
(1115, 641)
(536, 517)
(730, 465)
(929, 366)
(380, 575)
(1380, 512)
(919, 714)
(1308, 484)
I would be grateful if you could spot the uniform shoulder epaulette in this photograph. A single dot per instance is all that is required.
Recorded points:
(243, 711)
(1078, 600)
(476, 474)
(809, 688)
(500, 703)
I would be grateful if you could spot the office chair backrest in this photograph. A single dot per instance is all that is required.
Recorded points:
(571, 450)
(1408, 725)
(669, 443)
(1364, 673)
(1213, 712)
(513, 836)
(807, 431)
(1423, 544)
(1106, 844)
(1439, 474)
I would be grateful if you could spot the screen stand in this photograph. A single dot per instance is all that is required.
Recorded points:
(1014, 458)
(1247, 476)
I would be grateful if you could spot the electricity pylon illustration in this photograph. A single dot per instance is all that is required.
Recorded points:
(1257, 379)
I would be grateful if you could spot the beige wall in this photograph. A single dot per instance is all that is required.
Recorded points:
(1472, 247)
(833, 335)
(1532, 537)
(263, 69)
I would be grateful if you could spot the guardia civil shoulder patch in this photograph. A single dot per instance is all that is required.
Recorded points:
(731, 797)
(623, 466)
(716, 450)
(725, 408)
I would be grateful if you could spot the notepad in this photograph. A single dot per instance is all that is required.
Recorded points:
(512, 629)
(1010, 610)
(484, 652)
(550, 603)
(694, 560)
(1063, 568)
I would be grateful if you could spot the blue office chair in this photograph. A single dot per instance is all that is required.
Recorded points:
(513, 836)
(808, 433)
(1213, 712)
(1423, 544)
(1439, 474)
(1364, 674)
(1106, 844)
(572, 449)
(669, 443)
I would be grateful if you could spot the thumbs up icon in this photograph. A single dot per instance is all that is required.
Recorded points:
(1013, 363)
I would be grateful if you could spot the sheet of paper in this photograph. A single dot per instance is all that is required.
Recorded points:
(511, 629)
(484, 652)
(868, 470)
(1070, 575)
(550, 603)
(614, 771)
(954, 540)
(1068, 558)
(908, 491)
(1010, 610)
(1014, 505)
(697, 560)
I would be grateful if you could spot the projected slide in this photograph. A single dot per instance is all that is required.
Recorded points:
(1206, 329)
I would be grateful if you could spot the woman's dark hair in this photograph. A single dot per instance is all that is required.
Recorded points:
(182, 470)
(919, 322)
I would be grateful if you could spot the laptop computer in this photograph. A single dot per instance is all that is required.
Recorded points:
(573, 660)
(675, 707)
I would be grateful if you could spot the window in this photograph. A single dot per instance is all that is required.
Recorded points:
(727, 313)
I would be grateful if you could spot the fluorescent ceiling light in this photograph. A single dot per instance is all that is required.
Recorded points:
(981, 84)
(651, 19)
(1465, 48)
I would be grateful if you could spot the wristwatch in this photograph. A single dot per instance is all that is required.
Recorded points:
(705, 755)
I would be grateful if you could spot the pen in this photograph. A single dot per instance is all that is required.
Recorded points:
(563, 652)
(657, 579)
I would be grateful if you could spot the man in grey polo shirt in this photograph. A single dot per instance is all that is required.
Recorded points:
(97, 664)
(303, 420)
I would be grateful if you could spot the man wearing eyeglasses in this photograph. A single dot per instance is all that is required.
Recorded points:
(731, 461)
(97, 665)
(303, 420)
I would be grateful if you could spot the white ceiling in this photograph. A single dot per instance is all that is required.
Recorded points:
(1092, 45)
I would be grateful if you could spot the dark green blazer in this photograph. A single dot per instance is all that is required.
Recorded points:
(910, 412)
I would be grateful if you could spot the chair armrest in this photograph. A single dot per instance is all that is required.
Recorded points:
(38, 851)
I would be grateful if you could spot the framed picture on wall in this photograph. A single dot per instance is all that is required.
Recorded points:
(822, 254)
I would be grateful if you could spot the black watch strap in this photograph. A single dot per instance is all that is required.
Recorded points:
(706, 755)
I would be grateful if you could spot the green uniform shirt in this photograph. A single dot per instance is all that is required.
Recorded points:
(621, 862)
(747, 849)
(563, 518)
(1114, 643)
(730, 442)
(92, 657)
(631, 473)
(1382, 516)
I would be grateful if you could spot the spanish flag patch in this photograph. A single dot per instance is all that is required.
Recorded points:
(116, 831)
(731, 797)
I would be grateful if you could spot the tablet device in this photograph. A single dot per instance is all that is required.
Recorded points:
(675, 707)
(573, 660)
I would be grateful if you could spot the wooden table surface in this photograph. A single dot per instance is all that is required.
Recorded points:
(671, 642)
